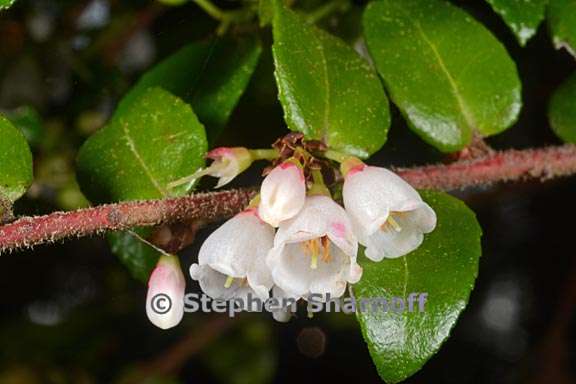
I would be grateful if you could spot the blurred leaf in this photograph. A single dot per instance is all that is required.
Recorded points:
(15, 162)
(445, 267)
(265, 12)
(137, 256)
(210, 76)
(173, 2)
(5, 4)
(29, 122)
(448, 75)
(247, 356)
(562, 21)
(522, 16)
(327, 90)
(562, 110)
(155, 140)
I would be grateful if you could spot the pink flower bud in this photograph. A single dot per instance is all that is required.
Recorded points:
(282, 194)
(165, 298)
(226, 165)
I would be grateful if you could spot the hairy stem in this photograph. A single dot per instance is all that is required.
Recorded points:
(30, 231)
(511, 165)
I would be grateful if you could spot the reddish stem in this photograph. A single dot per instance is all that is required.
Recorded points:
(511, 165)
(30, 231)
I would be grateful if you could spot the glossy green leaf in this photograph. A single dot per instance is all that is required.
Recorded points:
(15, 162)
(522, 16)
(445, 267)
(327, 90)
(449, 76)
(154, 141)
(210, 76)
(562, 21)
(562, 110)
(5, 4)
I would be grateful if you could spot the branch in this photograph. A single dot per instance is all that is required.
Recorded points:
(30, 231)
(511, 165)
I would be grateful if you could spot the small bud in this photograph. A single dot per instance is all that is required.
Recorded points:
(226, 165)
(282, 194)
(165, 298)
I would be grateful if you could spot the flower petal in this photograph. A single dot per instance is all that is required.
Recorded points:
(319, 217)
(285, 314)
(260, 278)
(213, 283)
(232, 248)
(373, 192)
(292, 272)
(392, 244)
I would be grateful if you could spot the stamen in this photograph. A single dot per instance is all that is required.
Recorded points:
(228, 282)
(326, 256)
(312, 248)
(314, 261)
(394, 224)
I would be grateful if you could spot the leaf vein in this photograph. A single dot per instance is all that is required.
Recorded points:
(453, 84)
(326, 127)
(140, 160)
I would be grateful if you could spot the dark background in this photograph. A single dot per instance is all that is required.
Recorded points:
(71, 313)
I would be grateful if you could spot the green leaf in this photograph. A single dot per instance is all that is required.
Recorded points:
(15, 162)
(448, 75)
(210, 76)
(154, 141)
(137, 256)
(562, 110)
(445, 267)
(5, 4)
(522, 16)
(562, 21)
(327, 90)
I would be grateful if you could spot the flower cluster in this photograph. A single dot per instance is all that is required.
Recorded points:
(294, 240)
